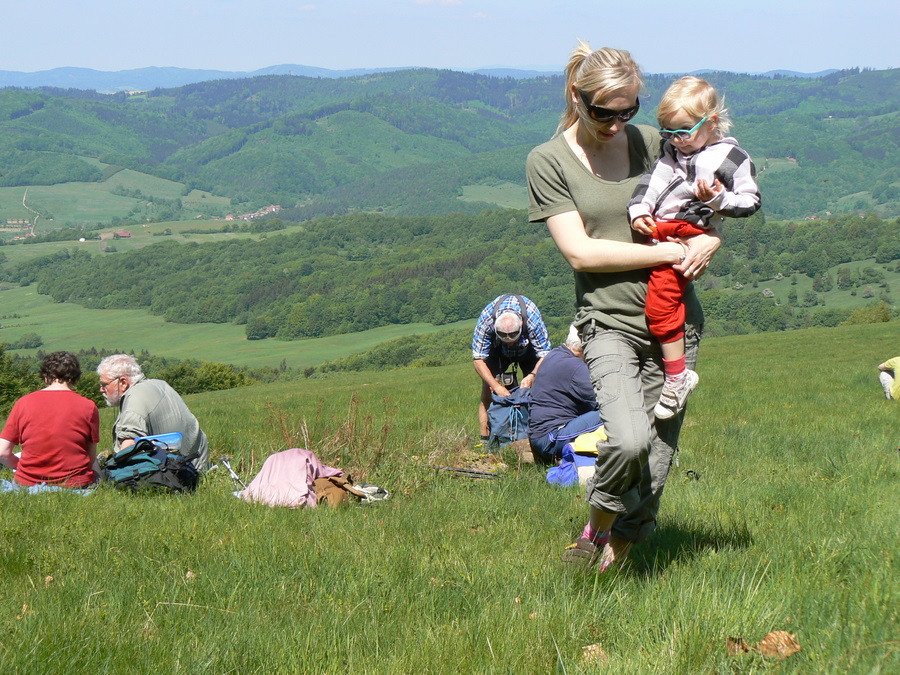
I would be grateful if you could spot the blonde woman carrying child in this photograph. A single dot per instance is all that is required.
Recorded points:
(702, 176)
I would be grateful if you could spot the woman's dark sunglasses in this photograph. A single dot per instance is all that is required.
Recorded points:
(598, 114)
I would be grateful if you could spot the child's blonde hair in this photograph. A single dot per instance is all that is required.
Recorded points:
(604, 71)
(699, 99)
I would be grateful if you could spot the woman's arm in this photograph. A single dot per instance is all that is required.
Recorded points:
(7, 458)
(585, 254)
(91, 449)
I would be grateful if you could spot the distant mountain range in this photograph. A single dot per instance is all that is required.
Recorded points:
(145, 79)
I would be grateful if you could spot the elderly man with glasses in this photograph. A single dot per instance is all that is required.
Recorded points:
(148, 407)
(510, 332)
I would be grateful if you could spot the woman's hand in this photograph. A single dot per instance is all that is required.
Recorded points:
(700, 250)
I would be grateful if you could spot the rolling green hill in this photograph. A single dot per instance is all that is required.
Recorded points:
(339, 145)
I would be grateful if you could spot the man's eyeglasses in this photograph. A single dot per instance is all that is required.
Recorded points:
(509, 337)
(681, 134)
(104, 385)
(605, 115)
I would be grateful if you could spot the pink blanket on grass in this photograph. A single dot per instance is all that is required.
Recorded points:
(286, 479)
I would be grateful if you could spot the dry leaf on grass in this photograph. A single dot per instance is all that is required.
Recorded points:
(47, 581)
(737, 646)
(523, 451)
(779, 644)
(594, 654)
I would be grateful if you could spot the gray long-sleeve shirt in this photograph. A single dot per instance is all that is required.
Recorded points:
(151, 407)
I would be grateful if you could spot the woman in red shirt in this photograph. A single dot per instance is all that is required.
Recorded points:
(57, 428)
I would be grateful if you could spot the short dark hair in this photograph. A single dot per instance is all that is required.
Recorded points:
(62, 366)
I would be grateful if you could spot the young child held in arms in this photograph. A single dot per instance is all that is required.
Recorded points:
(701, 176)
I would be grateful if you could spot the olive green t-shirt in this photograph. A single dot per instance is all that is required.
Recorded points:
(558, 183)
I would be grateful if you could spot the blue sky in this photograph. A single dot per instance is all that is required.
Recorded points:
(244, 35)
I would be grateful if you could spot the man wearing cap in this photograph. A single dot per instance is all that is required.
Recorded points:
(510, 331)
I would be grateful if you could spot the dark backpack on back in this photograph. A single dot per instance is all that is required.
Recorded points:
(150, 465)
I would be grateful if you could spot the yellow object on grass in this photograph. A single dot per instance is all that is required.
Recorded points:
(586, 444)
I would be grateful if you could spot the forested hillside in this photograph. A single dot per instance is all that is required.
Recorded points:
(351, 273)
(407, 142)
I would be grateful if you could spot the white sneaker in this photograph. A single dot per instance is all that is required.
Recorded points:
(673, 398)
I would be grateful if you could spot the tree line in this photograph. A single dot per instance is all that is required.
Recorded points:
(19, 374)
(351, 273)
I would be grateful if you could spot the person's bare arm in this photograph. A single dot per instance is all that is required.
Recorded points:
(488, 377)
(7, 458)
(528, 380)
(586, 254)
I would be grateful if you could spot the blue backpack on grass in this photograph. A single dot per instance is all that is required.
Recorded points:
(152, 463)
(508, 417)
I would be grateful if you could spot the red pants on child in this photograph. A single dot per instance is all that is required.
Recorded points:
(665, 291)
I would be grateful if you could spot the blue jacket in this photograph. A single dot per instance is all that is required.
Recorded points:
(562, 391)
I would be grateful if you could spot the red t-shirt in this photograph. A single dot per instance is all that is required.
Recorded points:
(54, 429)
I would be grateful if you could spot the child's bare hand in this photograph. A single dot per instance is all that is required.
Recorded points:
(704, 192)
(644, 225)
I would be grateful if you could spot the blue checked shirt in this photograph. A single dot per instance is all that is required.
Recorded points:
(535, 332)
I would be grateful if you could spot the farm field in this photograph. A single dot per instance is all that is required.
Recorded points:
(141, 236)
(836, 298)
(790, 525)
(72, 327)
(75, 202)
(83, 203)
(503, 194)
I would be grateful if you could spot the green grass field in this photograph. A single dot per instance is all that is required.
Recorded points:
(776, 164)
(75, 202)
(92, 203)
(792, 526)
(183, 231)
(505, 195)
(836, 298)
(128, 179)
(72, 327)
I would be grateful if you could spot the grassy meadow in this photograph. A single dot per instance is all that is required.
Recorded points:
(72, 327)
(504, 194)
(791, 527)
(836, 298)
(98, 202)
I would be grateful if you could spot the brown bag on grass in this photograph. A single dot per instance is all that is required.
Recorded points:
(333, 491)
